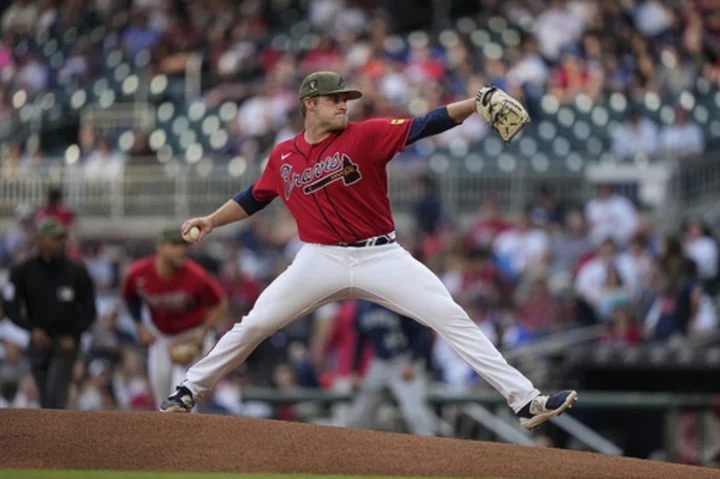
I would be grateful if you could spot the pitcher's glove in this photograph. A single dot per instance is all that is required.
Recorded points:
(502, 111)
(184, 352)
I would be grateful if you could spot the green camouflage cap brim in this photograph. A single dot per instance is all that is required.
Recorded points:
(325, 83)
(51, 228)
(171, 235)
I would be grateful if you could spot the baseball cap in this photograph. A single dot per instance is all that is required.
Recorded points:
(51, 228)
(325, 83)
(171, 234)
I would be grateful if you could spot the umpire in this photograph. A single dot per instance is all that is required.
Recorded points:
(53, 298)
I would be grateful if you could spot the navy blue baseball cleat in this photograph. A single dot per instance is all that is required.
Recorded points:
(179, 401)
(542, 408)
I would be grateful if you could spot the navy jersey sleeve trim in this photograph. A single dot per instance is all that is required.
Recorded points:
(436, 121)
(248, 202)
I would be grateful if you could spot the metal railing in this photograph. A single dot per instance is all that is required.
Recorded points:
(178, 190)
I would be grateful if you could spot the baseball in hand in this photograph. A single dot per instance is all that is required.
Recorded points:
(192, 235)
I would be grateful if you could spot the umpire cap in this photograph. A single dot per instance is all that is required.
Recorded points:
(171, 234)
(325, 83)
(51, 228)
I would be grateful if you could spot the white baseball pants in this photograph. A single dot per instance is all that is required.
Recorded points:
(387, 275)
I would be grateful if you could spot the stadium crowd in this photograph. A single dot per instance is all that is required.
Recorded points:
(255, 53)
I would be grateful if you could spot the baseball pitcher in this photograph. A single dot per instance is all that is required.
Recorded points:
(184, 302)
(332, 178)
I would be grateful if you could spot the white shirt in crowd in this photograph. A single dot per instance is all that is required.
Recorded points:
(704, 252)
(104, 166)
(629, 140)
(590, 280)
(613, 217)
(638, 266)
(556, 28)
(682, 139)
(522, 248)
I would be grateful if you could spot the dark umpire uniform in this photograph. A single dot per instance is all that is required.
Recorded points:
(53, 298)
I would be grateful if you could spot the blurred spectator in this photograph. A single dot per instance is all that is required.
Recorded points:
(546, 211)
(571, 244)
(592, 278)
(638, 260)
(20, 17)
(683, 137)
(47, 15)
(572, 77)
(78, 65)
(33, 74)
(557, 27)
(55, 209)
(522, 247)
(21, 234)
(139, 35)
(702, 248)
(104, 164)
(652, 18)
(488, 225)
(529, 70)
(622, 328)
(638, 135)
(242, 291)
(613, 295)
(610, 215)
(482, 281)
(130, 385)
(536, 312)
(676, 72)
(428, 210)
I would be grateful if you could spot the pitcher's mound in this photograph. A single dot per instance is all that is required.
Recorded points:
(206, 443)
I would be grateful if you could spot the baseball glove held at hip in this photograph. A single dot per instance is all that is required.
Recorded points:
(502, 111)
(184, 352)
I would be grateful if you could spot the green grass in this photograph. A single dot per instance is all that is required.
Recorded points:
(57, 474)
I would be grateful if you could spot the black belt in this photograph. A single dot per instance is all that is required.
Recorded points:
(376, 241)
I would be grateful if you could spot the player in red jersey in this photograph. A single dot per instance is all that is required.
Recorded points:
(183, 300)
(333, 180)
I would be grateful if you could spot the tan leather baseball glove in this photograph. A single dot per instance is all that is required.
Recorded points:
(183, 352)
(502, 111)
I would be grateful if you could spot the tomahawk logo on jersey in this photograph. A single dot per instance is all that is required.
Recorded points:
(322, 174)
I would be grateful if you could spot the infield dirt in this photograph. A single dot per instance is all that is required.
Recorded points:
(45, 439)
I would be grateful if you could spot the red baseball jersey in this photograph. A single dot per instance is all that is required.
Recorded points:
(177, 303)
(337, 189)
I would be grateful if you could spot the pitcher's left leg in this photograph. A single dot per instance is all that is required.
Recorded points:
(391, 277)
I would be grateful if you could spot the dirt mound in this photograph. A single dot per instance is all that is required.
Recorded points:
(195, 442)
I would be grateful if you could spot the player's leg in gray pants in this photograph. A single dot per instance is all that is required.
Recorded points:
(366, 401)
(390, 276)
(410, 396)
